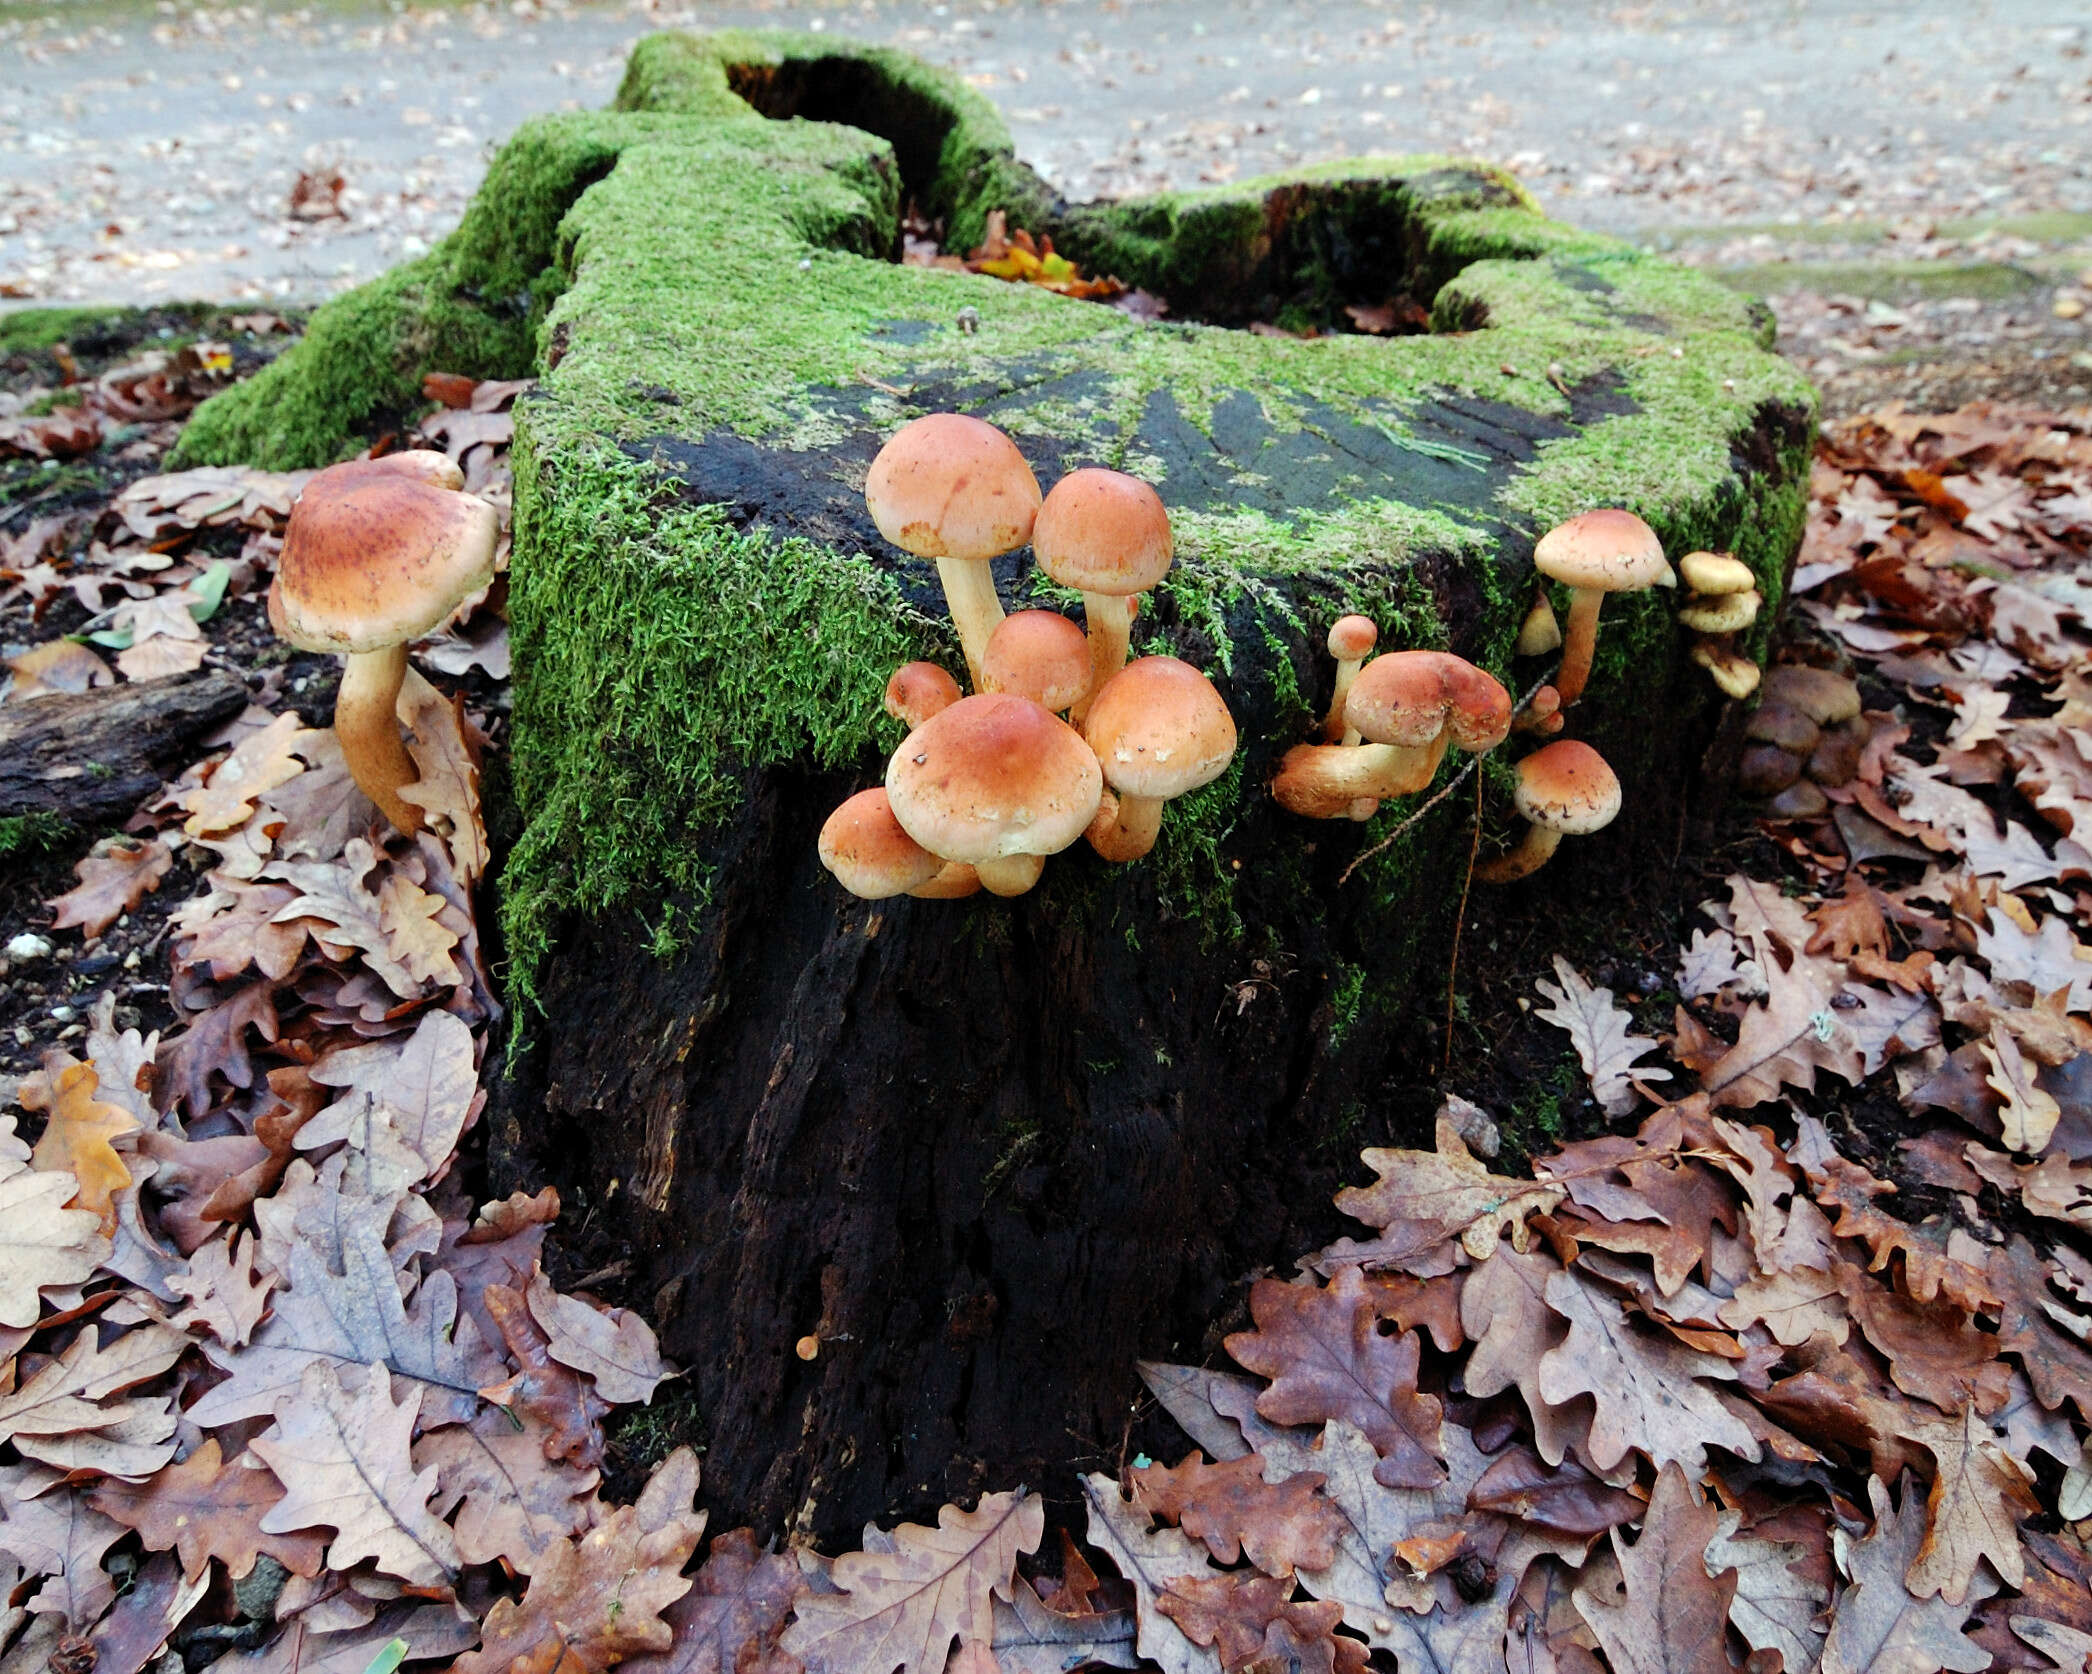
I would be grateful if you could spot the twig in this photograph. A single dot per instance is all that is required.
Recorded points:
(1445, 1062)
(1451, 786)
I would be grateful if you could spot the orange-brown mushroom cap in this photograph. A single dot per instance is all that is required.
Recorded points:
(917, 691)
(375, 556)
(1160, 729)
(1410, 697)
(994, 776)
(422, 464)
(951, 486)
(1567, 787)
(1103, 532)
(1608, 550)
(1038, 654)
(1351, 638)
(870, 855)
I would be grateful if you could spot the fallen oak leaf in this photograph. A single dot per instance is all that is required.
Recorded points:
(43, 1244)
(345, 1464)
(226, 1297)
(1279, 1526)
(904, 1607)
(2030, 1113)
(1423, 1199)
(205, 1508)
(1878, 1626)
(512, 1502)
(441, 744)
(1979, 1495)
(1674, 1616)
(1777, 1603)
(263, 760)
(428, 1630)
(561, 1398)
(741, 1597)
(1323, 1350)
(617, 1349)
(78, 1133)
(111, 884)
(1603, 1036)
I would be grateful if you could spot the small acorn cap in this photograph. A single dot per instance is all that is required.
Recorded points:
(1410, 697)
(373, 557)
(1160, 730)
(1722, 613)
(870, 855)
(948, 485)
(1103, 532)
(1038, 654)
(1610, 550)
(1352, 638)
(992, 777)
(916, 691)
(1823, 695)
(1715, 573)
(1567, 787)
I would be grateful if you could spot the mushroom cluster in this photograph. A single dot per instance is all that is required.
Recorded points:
(1722, 599)
(377, 553)
(986, 786)
(1805, 737)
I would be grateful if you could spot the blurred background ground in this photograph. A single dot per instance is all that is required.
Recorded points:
(1910, 184)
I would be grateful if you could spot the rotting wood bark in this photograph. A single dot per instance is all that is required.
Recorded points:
(89, 758)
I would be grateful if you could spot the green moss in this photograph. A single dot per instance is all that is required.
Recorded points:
(31, 834)
(36, 330)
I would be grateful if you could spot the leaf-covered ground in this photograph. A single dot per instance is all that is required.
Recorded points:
(1780, 1362)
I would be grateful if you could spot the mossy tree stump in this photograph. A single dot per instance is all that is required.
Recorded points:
(987, 1152)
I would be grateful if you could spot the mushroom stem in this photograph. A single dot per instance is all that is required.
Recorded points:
(1580, 641)
(1012, 874)
(1322, 781)
(969, 594)
(1110, 619)
(1132, 832)
(1335, 728)
(1530, 855)
(367, 723)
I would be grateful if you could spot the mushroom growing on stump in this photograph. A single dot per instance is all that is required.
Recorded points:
(1540, 633)
(1601, 552)
(1711, 575)
(1038, 654)
(1542, 712)
(955, 489)
(870, 855)
(1566, 790)
(1725, 613)
(917, 691)
(1160, 731)
(1351, 642)
(378, 552)
(1106, 535)
(997, 783)
(1733, 672)
(1409, 706)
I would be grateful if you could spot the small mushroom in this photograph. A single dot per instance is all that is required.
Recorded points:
(1734, 673)
(378, 552)
(1409, 707)
(1542, 713)
(1825, 696)
(1160, 731)
(1836, 759)
(997, 783)
(1565, 789)
(1766, 769)
(1038, 654)
(1774, 722)
(1351, 642)
(1799, 801)
(1723, 613)
(954, 489)
(1711, 574)
(1106, 535)
(917, 691)
(1600, 552)
(1540, 633)
(870, 855)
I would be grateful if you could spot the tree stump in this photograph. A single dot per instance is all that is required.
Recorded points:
(988, 1153)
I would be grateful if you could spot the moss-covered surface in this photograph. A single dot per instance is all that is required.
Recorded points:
(702, 279)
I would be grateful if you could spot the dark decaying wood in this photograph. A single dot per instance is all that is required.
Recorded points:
(89, 758)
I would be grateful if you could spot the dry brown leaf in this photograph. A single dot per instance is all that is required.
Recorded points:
(739, 1601)
(345, 1464)
(903, 1608)
(598, 1600)
(1603, 1036)
(204, 1509)
(1878, 1627)
(42, 1243)
(1673, 1617)
(57, 665)
(616, 1349)
(111, 884)
(226, 1297)
(515, 1501)
(414, 937)
(1979, 1494)
(77, 1134)
(448, 788)
(1505, 1311)
(560, 1398)
(1324, 1353)
(1424, 1199)
(264, 759)
(1280, 1527)
(423, 1083)
(2029, 1113)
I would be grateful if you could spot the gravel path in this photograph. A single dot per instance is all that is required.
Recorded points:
(150, 151)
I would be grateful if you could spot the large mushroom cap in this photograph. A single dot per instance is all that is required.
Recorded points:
(1103, 532)
(949, 486)
(1608, 550)
(993, 776)
(869, 853)
(1715, 573)
(375, 555)
(1160, 729)
(1038, 654)
(1409, 697)
(1567, 787)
